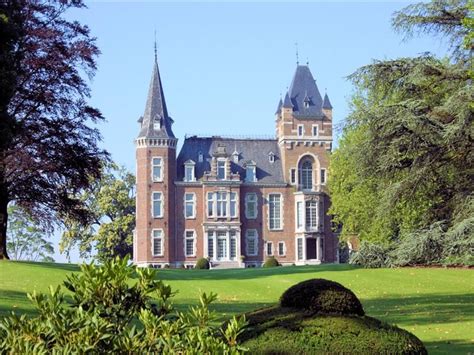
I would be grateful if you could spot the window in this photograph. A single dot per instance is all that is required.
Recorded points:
(271, 157)
(300, 130)
(306, 175)
(233, 204)
(221, 198)
(222, 204)
(210, 244)
(311, 214)
(299, 215)
(222, 245)
(157, 242)
(157, 204)
(233, 245)
(293, 176)
(157, 169)
(189, 171)
(269, 248)
(323, 176)
(251, 206)
(281, 248)
(250, 175)
(200, 157)
(210, 204)
(189, 241)
(315, 130)
(189, 205)
(221, 170)
(251, 242)
(274, 213)
(235, 157)
(300, 248)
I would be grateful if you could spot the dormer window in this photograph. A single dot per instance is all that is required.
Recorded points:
(157, 125)
(189, 171)
(271, 157)
(200, 157)
(221, 169)
(250, 172)
(235, 157)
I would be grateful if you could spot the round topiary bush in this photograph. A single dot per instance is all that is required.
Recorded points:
(271, 262)
(322, 296)
(202, 263)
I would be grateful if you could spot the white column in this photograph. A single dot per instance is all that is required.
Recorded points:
(214, 245)
(205, 243)
(304, 248)
(318, 248)
(237, 252)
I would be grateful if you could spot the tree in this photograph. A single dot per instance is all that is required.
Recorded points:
(410, 134)
(27, 239)
(49, 150)
(111, 202)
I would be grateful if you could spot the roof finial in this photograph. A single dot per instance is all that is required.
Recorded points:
(307, 61)
(156, 55)
(297, 58)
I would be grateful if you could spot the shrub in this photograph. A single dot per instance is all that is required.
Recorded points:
(279, 330)
(109, 315)
(271, 262)
(202, 263)
(322, 296)
(370, 255)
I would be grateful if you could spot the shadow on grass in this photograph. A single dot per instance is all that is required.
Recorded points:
(449, 346)
(57, 266)
(249, 273)
(422, 310)
(15, 301)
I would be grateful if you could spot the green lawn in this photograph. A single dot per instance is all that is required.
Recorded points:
(437, 305)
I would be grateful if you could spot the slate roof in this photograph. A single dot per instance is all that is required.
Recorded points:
(156, 110)
(326, 102)
(304, 87)
(256, 150)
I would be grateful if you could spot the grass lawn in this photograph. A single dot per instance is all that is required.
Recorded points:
(437, 305)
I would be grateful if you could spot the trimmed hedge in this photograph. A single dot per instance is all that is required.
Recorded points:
(322, 296)
(280, 330)
(202, 263)
(271, 262)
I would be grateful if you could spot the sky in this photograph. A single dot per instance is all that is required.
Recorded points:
(224, 65)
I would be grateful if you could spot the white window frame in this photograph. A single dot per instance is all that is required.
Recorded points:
(248, 201)
(293, 177)
(160, 165)
(311, 223)
(271, 158)
(300, 215)
(225, 169)
(280, 227)
(313, 127)
(300, 126)
(186, 238)
(269, 244)
(235, 158)
(325, 176)
(253, 168)
(153, 200)
(254, 236)
(211, 200)
(224, 203)
(235, 202)
(185, 203)
(284, 248)
(300, 240)
(160, 238)
(193, 175)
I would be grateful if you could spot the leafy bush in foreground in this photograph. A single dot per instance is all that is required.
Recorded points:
(271, 262)
(202, 263)
(106, 314)
(323, 297)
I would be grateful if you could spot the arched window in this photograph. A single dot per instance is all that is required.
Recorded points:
(306, 175)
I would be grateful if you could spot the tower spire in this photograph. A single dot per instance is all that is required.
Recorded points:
(156, 54)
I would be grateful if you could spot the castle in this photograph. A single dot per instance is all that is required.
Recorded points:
(236, 201)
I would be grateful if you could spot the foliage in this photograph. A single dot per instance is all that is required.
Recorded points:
(271, 262)
(106, 314)
(370, 255)
(202, 263)
(49, 149)
(323, 297)
(26, 238)
(111, 202)
(278, 330)
(406, 161)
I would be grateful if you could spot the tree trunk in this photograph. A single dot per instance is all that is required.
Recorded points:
(3, 225)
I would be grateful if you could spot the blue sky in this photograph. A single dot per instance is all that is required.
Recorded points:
(224, 65)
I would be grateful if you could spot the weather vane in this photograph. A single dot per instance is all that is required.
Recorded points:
(297, 59)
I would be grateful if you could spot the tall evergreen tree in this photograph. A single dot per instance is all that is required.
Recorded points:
(49, 148)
